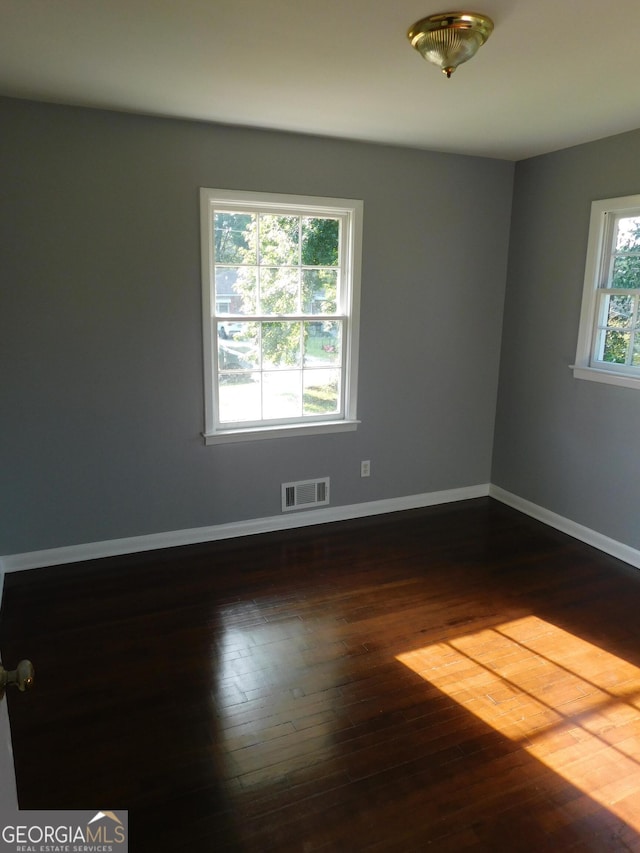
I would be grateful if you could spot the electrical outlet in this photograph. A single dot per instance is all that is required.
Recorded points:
(365, 468)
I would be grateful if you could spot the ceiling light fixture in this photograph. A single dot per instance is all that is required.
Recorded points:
(450, 38)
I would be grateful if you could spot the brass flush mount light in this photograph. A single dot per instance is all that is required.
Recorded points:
(450, 38)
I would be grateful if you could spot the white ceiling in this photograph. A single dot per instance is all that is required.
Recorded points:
(554, 73)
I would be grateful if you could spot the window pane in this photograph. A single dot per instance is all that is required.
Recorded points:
(281, 344)
(235, 290)
(239, 397)
(322, 343)
(319, 291)
(628, 234)
(281, 394)
(626, 271)
(234, 238)
(320, 242)
(237, 347)
(279, 239)
(279, 290)
(619, 311)
(321, 393)
(616, 347)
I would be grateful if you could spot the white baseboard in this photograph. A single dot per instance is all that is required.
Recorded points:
(572, 528)
(305, 518)
(192, 536)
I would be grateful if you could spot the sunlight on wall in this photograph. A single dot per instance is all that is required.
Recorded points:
(571, 705)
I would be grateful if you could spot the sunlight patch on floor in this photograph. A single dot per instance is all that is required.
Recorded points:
(572, 705)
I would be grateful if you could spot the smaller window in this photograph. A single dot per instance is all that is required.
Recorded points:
(609, 335)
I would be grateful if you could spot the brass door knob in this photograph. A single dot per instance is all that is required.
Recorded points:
(22, 677)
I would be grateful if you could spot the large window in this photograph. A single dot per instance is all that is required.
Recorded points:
(280, 308)
(609, 336)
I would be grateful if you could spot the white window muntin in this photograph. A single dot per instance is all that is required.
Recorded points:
(349, 214)
(597, 293)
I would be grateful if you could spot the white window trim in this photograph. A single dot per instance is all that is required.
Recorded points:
(209, 199)
(597, 248)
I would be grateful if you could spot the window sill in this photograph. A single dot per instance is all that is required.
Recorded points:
(595, 374)
(259, 433)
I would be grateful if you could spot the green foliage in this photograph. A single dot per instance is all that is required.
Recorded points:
(320, 399)
(319, 291)
(320, 242)
(619, 308)
(281, 344)
(234, 238)
(279, 291)
(626, 263)
(279, 239)
(616, 347)
(626, 271)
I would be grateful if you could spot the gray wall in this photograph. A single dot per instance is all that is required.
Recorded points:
(100, 327)
(568, 445)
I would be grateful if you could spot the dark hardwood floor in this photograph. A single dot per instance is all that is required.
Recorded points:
(454, 678)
